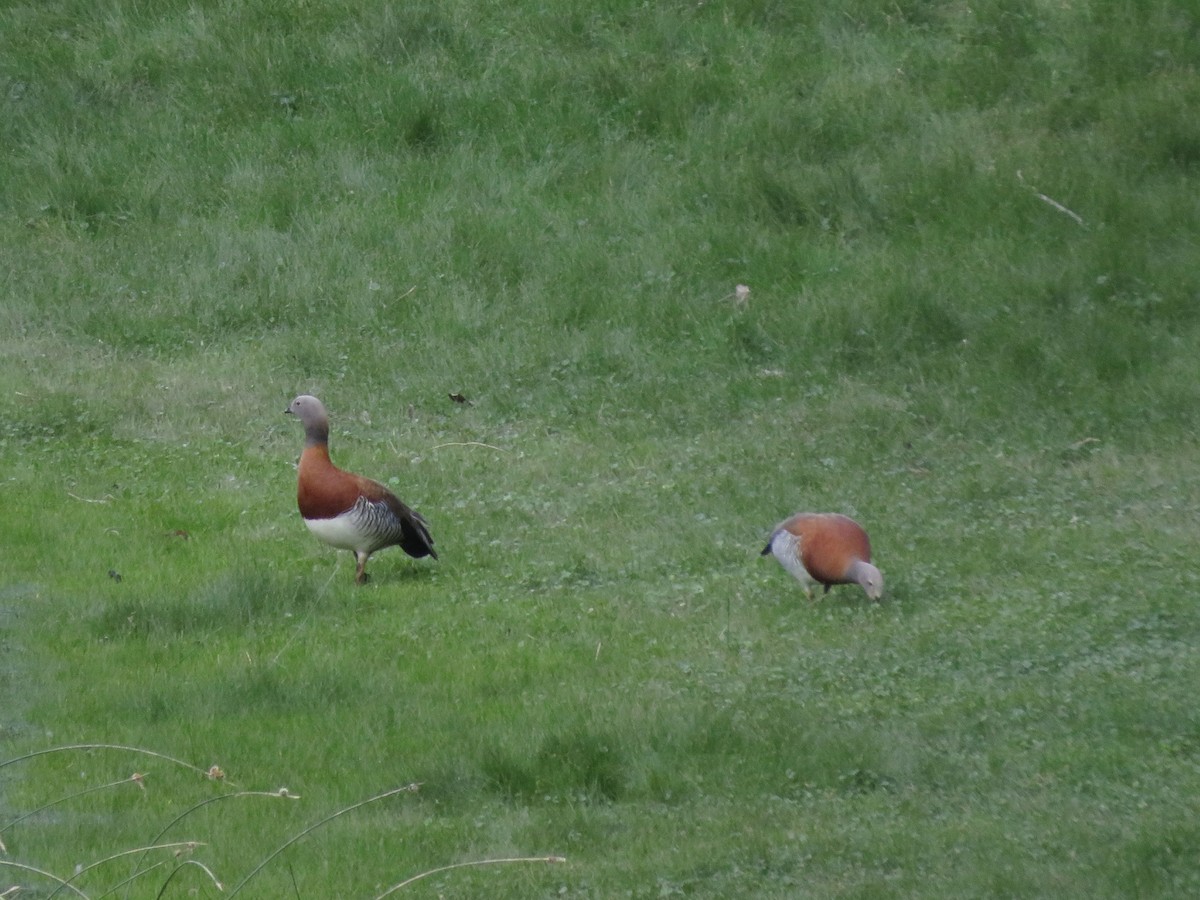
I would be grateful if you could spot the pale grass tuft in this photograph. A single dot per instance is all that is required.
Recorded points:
(136, 778)
(117, 747)
(178, 848)
(469, 864)
(280, 793)
(1050, 201)
(107, 498)
(407, 789)
(61, 882)
(469, 444)
(740, 296)
(217, 883)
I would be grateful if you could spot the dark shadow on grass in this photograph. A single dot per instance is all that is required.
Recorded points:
(232, 601)
(400, 574)
(576, 763)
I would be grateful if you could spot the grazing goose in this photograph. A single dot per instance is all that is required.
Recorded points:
(825, 548)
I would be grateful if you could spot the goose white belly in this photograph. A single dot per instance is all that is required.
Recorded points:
(343, 532)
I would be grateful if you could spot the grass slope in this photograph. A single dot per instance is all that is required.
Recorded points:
(969, 237)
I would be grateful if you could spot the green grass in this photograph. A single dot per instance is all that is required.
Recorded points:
(969, 236)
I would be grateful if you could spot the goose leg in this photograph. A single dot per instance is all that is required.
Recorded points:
(360, 574)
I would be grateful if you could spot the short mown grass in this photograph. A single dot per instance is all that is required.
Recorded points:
(968, 236)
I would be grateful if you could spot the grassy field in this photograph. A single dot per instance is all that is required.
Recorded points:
(970, 241)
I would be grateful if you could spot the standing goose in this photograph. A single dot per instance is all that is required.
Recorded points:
(825, 548)
(345, 510)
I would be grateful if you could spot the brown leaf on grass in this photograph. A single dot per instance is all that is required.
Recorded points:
(460, 398)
